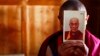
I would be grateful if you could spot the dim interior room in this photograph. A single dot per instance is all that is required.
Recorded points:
(25, 24)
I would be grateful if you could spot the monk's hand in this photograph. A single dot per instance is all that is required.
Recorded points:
(73, 48)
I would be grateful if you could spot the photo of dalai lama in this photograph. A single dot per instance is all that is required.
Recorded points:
(74, 33)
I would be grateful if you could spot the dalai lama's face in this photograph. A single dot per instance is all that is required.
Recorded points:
(74, 24)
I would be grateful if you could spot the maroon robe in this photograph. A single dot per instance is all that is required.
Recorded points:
(73, 35)
(53, 41)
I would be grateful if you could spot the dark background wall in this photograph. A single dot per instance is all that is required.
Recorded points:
(93, 9)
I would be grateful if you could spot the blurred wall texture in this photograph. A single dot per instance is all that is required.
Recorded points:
(25, 24)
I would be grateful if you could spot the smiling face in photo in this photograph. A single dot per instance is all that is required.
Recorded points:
(74, 24)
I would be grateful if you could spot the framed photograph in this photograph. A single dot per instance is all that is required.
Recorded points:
(74, 25)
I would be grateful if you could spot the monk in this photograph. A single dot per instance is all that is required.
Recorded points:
(74, 33)
(54, 45)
